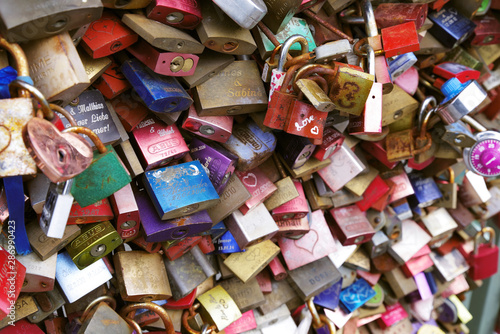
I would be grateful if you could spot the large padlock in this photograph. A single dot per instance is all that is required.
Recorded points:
(184, 14)
(105, 175)
(258, 185)
(304, 120)
(484, 260)
(246, 13)
(279, 14)
(216, 128)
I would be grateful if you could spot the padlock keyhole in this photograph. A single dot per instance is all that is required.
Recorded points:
(61, 155)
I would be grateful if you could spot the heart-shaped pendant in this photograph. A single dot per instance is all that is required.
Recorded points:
(60, 156)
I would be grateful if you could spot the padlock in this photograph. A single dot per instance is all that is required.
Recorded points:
(450, 34)
(391, 14)
(378, 245)
(39, 21)
(219, 162)
(401, 64)
(141, 285)
(218, 308)
(97, 181)
(473, 190)
(243, 324)
(95, 241)
(279, 14)
(332, 142)
(132, 4)
(297, 208)
(442, 231)
(399, 39)
(37, 192)
(95, 213)
(94, 67)
(94, 319)
(68, 277)
(304, 120)
(356, 295)
(315, 93)
(164, 63)
(449, 191)
(484, 254)
(235, 90)
(216, 128)
(161, 35)
(174, 249)
(370, 120)
(55, 325)
(44, 246)
(56, 209)
(209, 64)
(413, 239)
(486, 31)
(330, 51)
(252, 145)
(320, 323)
(315, 244)
(277, 269)
(150, 247)
(160, 94)
(170, 199)
(321, 187)
(158, 143)
(295, 150)
(458, 134)
(182, 14)
(258, 185)
(233, 197)
(344, 167)
(450, 265)
(450, 70)
(47, 303)
(13, 274)
(393, 226)
(107, 35)
(219, 32)
(253, 227)
(226, 244)
(313, 278)
(350, 225)
(246, 13)
(286, 190)
(126, 212)
(112, 83)
(187, 272)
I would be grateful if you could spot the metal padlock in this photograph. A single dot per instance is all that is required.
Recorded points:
(165, 63)
(441, 232)
(484, 254)
(219, 162)
(138, 285)
(126, 212)
(95, 241)
(332, 51)
(105, 175)
(297, 208)
(98, 313)
(184, 14)
(112, 83)
(391, 14)
(247, 295)
(47, 303)
(95, 213)
(279, 14)
(304, 120)
(187, 272)
(295, 150)
(370, 121)
(158, 143)
(174, 249)
(350, 225)
(451, 265)
(315, 93)
(162, 36)
(392, 38)
(246, 13)
(218, 308)
(450, 34)
(216, 128)
(160, 94)
(94, 67)
(44, 246)
(39, 21)
(258, 185)
(209, 64)
(486, 31)
(332, 142)
(232, 198)
(56, 209)
(449, 191)
(219, 32)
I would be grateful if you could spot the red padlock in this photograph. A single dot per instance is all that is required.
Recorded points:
(184, 14)
(484, 260)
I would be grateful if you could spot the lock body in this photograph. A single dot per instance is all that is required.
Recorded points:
(450, 34)
(258, 185)
(216, 128)
(246, 13)
(159, 143)
(332, 141)
(350, 225)
(126, 212)
(233, 197)
(297, 208)
(56, 209)
(112, 82)
(279, 14)
(184, 14)
(295, 150)
(39, 274)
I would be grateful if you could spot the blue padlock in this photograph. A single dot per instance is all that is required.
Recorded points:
(356, 295)
(330, 297)
(426, 190)
(226, 244)
(450, 28)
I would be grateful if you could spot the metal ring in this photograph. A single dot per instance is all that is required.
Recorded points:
(64, 112)
(108, 299)
(47, 112)
(86, 131)
(169, 327)
(314, 313)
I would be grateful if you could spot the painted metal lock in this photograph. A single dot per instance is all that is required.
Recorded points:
(400, 39)
(95, 213)
(391, 14)
(150, 247)
(187, 272)
(219, 162)
(27, 21)
(450, 265)
(104, 318)
(413, 239)
(253, 227)
(305, 120)
(165, 63)
(138, 285)
(112, 82)
(209, 64)
(321, 187)
(76, 283)
(158, 143)
(315, 93)
(426, 190)
(450, 27)
(449, 191)
(295, 150)
(315, 244)
(161, 94)
(232, 198)
(245, 13)
(44, 246)
(162, 36)
(401, 64)
(378, 245)
(487, 30)
(126, 212)
(184, 14)
(314, 278)
(177, 248)
(297, 208)
(250, 144)
(216, 128)
(440, 225)
(332, 142)
(105, 175)
(218, 308)
(330, 297)
(217, 31)
(107, 35)
(293, 228)
(350, 225)
(349, 89)
(226, 244)
(370, 120)
(356, 295)
(94, 242)
(484, 260)
(450, 70)
(56, 209)
(258, 185)
(180, 190)
(235, 90)
(393, 228)
(46, 57)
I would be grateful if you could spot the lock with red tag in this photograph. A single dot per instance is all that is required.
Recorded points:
(484, 260)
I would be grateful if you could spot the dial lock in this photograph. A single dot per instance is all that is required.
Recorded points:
(483, 157)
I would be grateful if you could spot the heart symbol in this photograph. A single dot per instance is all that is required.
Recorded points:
(104, 25)
(315, 130)
(60, 156)
(310, 239)
(250, 180)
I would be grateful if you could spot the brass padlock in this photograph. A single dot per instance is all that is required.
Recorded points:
(247, 295)
(449, 191)
(218, 308)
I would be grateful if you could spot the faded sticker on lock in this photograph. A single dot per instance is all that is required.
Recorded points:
(350, 90)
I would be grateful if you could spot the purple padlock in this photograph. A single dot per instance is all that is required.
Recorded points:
(157, 230)
(218, 162)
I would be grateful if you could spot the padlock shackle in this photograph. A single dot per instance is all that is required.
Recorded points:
(484, 230)
(473, 123)
(318, 320)
(369, 17)
(311, 69)
(185, 315)
(19, 56)
(289, 76)
(348, 16)
(86, 131)
(106, 299)
(169, 327)
(359, 45)
(64, 112)
(424, 116)
(370, 58)
(273, 54)
(279, 166)
(47, 112)
(304, 46)
(451, 171)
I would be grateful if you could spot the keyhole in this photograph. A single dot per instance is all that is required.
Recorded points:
(61, 155)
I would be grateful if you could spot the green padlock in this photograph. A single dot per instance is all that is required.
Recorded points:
(105, 175)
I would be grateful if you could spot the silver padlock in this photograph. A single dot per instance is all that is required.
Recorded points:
(56, 209)
(247, 13)
(332, 51)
